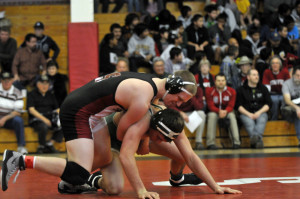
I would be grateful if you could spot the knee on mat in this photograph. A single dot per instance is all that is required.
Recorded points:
(75, 174)
(114, 188)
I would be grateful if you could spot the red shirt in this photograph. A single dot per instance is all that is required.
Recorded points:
(195, 103)
(217, 101)
(275, 81)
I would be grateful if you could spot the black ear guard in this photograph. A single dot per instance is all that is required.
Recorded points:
(156, 123)
(175, 84)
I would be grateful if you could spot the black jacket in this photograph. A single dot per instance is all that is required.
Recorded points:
(45, 43)
(253, 99)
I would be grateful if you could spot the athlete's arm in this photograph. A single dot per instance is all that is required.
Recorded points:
(129, 147)
(135, 96)
(197, 166)
(143, 148)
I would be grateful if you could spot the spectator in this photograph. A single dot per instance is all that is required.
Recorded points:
(198, 40)
(228, 66)
(107, 55)
(121, 48)
(131, 20)
(27, 62)
(141, 48)
(220, 101)
(283, 32)
(204, 78)
(163, 19)
(150, 8)
(244, 66)
(175, 40)
(45, 43)
(273, 79)
(210, 17)
(253, 102)
(43, 110)
(161, 41)
(277, 47)
(291, 94)
(252, 43)
(58, 82)
(186, 16)
(122, 64)
(293, 34)
(8, 48)
(219, 35)
(262, 62)
(244, 9)
(277, 19)
(231, 20)
(181, 32)
(175, 62)
(296, 14)
(11, 105)
(187, 108)
(159, 68)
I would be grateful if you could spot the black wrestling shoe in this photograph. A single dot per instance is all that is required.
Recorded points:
(94, 178)
(189, 178)
(67, 188)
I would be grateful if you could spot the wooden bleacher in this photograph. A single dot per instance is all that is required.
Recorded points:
(277, 134)
(56, 19)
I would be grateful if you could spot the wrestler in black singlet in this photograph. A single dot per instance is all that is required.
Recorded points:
(94, 97)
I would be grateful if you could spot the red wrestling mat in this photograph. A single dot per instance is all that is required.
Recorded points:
(83, 53)
(34, 184)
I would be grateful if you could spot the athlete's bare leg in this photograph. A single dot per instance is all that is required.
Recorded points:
(81, 151)
(108, 160)
(50, 165)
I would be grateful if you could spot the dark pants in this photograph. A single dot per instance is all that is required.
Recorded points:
(42, 129)
(17, 125)
(105, 4)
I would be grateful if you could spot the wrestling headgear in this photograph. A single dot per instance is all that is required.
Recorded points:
(158, 122)
(175, 85)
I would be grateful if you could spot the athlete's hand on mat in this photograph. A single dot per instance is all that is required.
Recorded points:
(222, 190)
(149, 195)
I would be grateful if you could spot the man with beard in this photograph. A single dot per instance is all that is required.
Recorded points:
(253, 102)
(291, 95)
(220, 101)
(27, 62)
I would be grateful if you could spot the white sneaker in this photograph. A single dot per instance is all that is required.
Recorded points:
(22, 150)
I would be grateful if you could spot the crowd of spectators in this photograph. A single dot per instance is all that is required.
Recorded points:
(253, 66)
(258, 79)
(31, 71)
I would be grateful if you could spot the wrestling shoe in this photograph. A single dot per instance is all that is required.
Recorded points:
(12, 161)
(94, 179)
(189, 178)
(67, 188)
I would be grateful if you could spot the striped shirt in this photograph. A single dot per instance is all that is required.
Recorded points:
(10, 100)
